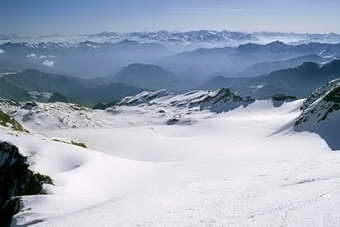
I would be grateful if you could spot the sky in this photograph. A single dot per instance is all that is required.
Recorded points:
(93, 16)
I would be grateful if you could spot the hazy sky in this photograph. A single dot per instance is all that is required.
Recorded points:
(90, 16)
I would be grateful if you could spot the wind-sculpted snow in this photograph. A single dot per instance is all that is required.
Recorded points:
(321, 113)
(225, 170)
(201, 158)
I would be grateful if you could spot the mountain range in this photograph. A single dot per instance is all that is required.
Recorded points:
(205, 63)
(93, 59)
(270, 66)
(296, 81)
(299, 81)
(148, 76)
(17, 85)
(182, 41)
(85, 59)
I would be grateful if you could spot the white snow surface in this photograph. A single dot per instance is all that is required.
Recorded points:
(238, 168)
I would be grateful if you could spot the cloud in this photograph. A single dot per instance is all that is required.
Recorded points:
(48, 63)
(2, 51)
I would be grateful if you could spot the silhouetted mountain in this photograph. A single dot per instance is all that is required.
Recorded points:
(147, 77)
(10, 91)
(200, 63)
(309, 75)
(81, 90)
(204, 63)
(34, 80)
(85, 59)
(267, 67)
(299, 81)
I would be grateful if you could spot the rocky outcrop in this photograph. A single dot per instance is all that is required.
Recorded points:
(16, 179)
(221, 100)
(279, 99)
(7, 121)
(322, 104)
(321, 114)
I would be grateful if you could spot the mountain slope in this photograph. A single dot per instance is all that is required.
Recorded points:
(8, 90)
(267, 67)
(84, 59)
(321, 113)
(221, 100)
(299, 81)
(206, 63)
(81, 90)
(147, 76)
(226, 169)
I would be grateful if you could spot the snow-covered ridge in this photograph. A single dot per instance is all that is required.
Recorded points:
(220, 100)
(56, 115)
(148, 107)
(324, 102)
(155, 106)
(321, 114)
(199, 38)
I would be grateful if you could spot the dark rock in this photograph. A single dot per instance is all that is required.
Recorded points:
(16, 179)
(320, 114)
(172, 121)
(57, 97)
(103, 106)
(29, 105)
(279, 99)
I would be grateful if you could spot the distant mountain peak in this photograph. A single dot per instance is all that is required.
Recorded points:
(146, 76)
(143, 68)
(128, 41)
(276, 42)
(250, 46)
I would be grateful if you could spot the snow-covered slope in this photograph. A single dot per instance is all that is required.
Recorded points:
(56, 115)
(155, 107)
(228, 167)
(220, 100)
(321, 113)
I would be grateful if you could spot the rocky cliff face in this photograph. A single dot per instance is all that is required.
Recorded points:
(16, 179)
(321, 105)
(321, 113)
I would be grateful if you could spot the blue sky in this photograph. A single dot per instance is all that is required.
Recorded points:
(90, 16)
